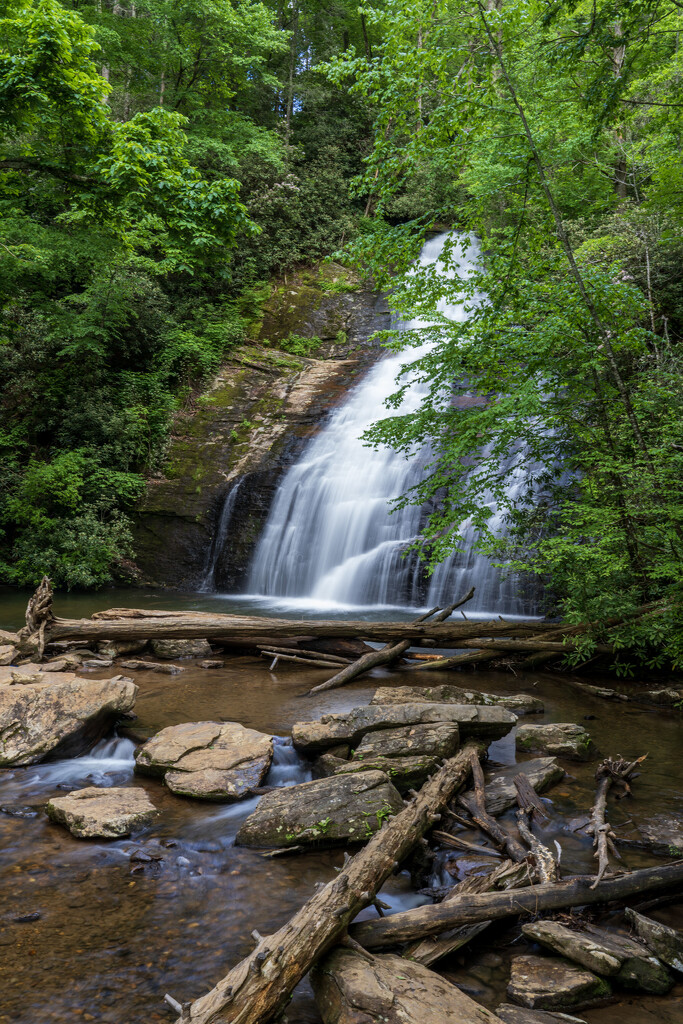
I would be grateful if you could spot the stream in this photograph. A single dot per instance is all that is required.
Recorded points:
(99, 931)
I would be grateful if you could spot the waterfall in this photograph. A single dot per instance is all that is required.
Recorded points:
(330, 539)
(219, 538)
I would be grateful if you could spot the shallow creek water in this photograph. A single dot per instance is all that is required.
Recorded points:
(88, 932)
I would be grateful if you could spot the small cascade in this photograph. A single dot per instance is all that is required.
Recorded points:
(208, 583)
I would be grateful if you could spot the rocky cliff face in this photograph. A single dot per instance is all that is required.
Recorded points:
(251, 425)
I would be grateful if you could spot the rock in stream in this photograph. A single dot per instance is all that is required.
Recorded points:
(354, 989)
(60, 714)
(220, 761)
(472, 720)
(343, 808)
(99, 813)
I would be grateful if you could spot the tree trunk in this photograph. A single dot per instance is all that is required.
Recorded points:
(469, 909)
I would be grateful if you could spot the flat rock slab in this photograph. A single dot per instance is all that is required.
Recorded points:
(541, 983)
(630, 964)
(172, 649)
(353, 989)
(98, 813)
(664, 942)
(500, 788)
(511, 1014)
(57, 713)
(220, 761)
(339, 809)
(563, 739)
(138, 665)
(520, 703)
(473, 720)
(405, 772)
(441, 739)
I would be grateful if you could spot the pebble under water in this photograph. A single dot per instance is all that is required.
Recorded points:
(100, 931)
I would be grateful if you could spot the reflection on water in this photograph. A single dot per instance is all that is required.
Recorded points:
(94, 931)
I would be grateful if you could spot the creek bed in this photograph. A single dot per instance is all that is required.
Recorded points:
(87, 932)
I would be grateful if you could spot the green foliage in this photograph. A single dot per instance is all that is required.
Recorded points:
(158, 162)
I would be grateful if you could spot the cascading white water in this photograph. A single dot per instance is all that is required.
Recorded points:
(330, 538)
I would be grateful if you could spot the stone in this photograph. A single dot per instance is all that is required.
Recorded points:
(665, 942)
(473, 720)
(8, 654)
(354, 989)
(405, 772)
(439, 740)
(520, 703)
(138, 665)
(171, 649)
(119, 648)
(511, 1014)
(327, 763)
(58, 714)
(541, 772)
(664, 832)
(211, 663)
(98, 813)
(97, 663)
(665, 698)
(563, 739)
(343, 808)
(629, 964)
(541, 983)
(221, 761)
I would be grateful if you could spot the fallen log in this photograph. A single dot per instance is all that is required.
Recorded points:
(258, 988)
(609, 773)
(386, 654)
(203, 625)
(476, 805)
(428, 951)
(302, 653)
(470, 909)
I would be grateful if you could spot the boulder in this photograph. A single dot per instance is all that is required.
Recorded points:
(352, 988)
(330, 730)
(563, 739)
(500, 788)
(511, 1014)
(97, 813)
(119, 648)
(58, 714)
(172, 649)
(665, 698)
(207, 760)
(343, 808)
(665, 942)
(627, 962)
(520, 703)
(8, 654)
(439, 740)
(405, 772)
(553, 984)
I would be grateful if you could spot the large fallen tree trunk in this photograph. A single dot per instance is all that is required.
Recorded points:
(203, 625)
(469, 909)
(258, 988)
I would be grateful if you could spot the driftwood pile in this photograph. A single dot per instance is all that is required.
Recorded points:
(524, 884)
